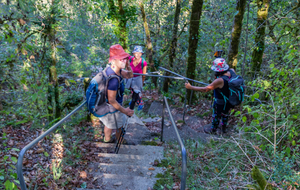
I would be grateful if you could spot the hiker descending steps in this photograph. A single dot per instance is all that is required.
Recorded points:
(105, 93)
(228, 90)
(135, 84)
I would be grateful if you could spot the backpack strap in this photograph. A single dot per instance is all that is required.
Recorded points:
(130, 59)
(225, 98)
(143, 61)
(232, 73)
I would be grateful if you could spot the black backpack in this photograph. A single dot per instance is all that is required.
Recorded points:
(236, 89)
(96, 94)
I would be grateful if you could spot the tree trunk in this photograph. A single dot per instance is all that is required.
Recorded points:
(173, 44)
(193, 41)
(53, 81)
(53, 72)
(122, 25)
(257, 55)
(149, 43)
(120, 19)
(236, 33)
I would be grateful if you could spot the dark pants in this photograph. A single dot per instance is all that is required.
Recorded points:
(220, 113)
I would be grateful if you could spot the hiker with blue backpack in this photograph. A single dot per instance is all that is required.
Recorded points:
(105, 93)
(135, 84)
(228, 90)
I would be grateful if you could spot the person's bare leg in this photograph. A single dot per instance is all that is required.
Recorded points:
(107, 133)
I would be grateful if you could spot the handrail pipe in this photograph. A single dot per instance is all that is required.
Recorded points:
(183, 150)
(27, 147)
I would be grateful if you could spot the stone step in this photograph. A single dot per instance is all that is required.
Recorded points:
(126, 169)
(131, 149)
(125, 182)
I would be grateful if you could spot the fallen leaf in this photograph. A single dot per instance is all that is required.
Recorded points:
(39, 150)
(151, 168)
(83, 174)
(216, 169)
(257, 148)
(10, 142)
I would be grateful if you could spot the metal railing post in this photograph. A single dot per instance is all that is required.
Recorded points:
(191, 96)
(23, 151)
(184, 106)
(183, 150)
(162, 121)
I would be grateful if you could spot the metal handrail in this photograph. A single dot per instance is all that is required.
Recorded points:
(23, 151)
(183, 76)
(183, 150)
(162, 76)
(198, 81)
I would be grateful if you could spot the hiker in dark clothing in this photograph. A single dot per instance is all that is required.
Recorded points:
(220, 87)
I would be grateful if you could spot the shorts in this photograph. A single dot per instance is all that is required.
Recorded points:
(109, 120)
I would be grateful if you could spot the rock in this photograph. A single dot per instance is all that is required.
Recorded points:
(149, 173)
(149, 120)
(118, 184)
(155, 108)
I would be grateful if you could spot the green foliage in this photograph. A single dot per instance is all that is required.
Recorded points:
(283, 170)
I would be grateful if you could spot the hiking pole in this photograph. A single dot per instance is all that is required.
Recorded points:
(135, 98)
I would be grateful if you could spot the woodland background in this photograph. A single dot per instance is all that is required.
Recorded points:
(49, 46)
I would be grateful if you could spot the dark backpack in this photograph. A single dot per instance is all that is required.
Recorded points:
(96, 94)
(236, 89)
(143, 61)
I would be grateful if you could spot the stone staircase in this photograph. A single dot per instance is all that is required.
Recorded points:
(132, 168)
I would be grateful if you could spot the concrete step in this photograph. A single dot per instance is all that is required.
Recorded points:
(126, 169)
(131, 149)
(130, 158)
(125, 182)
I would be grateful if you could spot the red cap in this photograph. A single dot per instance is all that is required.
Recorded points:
(117, 52)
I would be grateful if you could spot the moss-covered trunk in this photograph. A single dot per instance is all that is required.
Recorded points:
(262, 15)
(260, 179)
(53, 88)
(149, 43)
(193, 41)
(173, 43)
(53, 72)
(236, 33)
(122, 25)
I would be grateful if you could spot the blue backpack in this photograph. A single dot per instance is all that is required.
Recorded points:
(96, 94)
(236, 88)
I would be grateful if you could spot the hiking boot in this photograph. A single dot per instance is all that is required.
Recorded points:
(210, 130)
(112, 140)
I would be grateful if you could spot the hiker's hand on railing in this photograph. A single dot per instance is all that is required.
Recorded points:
(129, 112)
(188, 86)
